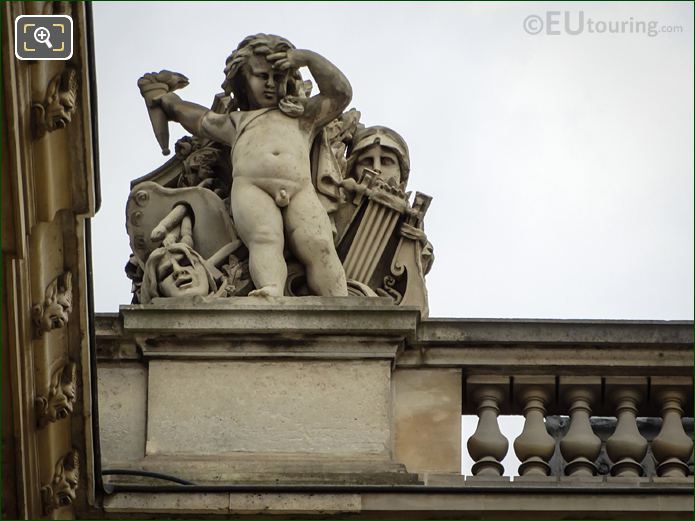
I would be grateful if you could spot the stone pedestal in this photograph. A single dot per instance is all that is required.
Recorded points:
(262, 390)
(201, 407)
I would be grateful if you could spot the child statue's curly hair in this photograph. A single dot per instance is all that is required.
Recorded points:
(235, 84)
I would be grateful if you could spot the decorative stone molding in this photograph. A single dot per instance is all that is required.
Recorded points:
(487, 446)
(626, 447)
(59, 104)
(672, 448)
(534, 446)
(56, 307)
(62, 489)
(59, 400)
(580, 447)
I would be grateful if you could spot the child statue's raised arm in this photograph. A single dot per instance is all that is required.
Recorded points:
(198, 120)
(163, 105)
(335, 91)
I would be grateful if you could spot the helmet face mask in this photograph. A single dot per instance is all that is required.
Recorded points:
(375, 148)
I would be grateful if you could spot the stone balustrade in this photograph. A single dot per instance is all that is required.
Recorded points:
(583, 418)
(606, 408)
(581, 398)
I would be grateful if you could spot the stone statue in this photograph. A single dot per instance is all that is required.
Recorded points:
(266, 162)
(269, 125)
(382, 241)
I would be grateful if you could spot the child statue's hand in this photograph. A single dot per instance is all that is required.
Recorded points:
(290, 59)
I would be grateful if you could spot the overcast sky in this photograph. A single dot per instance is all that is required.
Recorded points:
(561, 166)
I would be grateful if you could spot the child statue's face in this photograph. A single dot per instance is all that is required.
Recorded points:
(181, 276)
(262, 83)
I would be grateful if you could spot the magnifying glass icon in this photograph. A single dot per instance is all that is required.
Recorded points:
(42, 35)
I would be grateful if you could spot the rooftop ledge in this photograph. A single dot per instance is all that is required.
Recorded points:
(511, 346)
(373, 315)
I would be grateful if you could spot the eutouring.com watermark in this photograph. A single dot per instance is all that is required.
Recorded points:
(574, 23)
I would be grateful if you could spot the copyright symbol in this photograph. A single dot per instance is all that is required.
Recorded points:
(533, 24)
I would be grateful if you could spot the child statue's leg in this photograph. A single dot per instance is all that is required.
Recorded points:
(259, 224)
(311, 240)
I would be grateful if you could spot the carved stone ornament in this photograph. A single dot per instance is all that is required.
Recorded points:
(54, 311)
(62, 490)
(316, 206)
(59, 400)
(55, 111)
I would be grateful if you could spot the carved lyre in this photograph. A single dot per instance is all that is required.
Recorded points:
(385, 205)
(385, 218)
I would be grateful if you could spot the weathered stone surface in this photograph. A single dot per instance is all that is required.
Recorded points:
(123, 405)
(524, 502)
(309, 407)
(530, 502)
(271, 316)
(273, 468)
(200, 503)
(553, 331)
(428, 419)
(239, 503)
(294, 503)
(590, 347)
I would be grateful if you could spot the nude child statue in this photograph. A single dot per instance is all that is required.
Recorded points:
(270, 126)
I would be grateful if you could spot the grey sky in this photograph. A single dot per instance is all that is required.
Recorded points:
(561, 166)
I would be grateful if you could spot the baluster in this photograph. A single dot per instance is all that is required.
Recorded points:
(534, 447)
(672, 447)
(487, 446)
(626, 448)
(580, 447)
